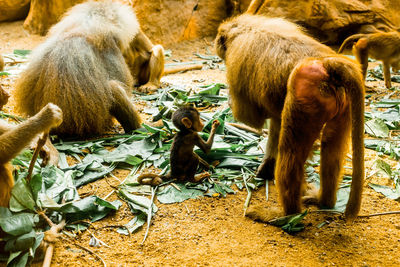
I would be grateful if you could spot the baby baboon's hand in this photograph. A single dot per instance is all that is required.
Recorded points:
(215, 124)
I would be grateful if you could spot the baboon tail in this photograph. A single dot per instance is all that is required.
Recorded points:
(352, 38)
(348, 72)
(254, 7)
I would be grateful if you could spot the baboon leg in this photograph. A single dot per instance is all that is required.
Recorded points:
(155, 69)
(306, 109)
(122, 109)
(333, 146)
(386, 74)
(360, 50)
(299, 131)
(267, 167)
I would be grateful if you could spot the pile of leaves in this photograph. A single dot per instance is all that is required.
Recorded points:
(54, 189)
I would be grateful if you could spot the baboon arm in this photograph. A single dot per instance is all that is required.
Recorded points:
(156, 65)
(144, 42)
(122, 109)
(13, 140)
(206, 146)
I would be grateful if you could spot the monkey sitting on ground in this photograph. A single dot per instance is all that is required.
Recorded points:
(276, 71)
(183, 160)
(81, 68)
(14, 138)
(384, 46)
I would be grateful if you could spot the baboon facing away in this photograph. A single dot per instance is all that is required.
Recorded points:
(276, 71)
(81, 68)
(383, 46)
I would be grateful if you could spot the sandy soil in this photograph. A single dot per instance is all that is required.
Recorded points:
(213, 231)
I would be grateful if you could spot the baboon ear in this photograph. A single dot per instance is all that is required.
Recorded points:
(187, 122)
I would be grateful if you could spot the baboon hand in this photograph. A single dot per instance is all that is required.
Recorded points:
(215, 124)
(51, 114)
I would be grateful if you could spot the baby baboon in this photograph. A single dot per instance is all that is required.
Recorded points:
(183, 160)
(276, 71)
(14, 138)
(81, 68)
(384, 46)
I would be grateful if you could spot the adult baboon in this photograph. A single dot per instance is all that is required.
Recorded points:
(81, 68)
(276, 71)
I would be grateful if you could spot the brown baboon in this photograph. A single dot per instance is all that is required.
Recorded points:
(384, 46)
(81, 68)
(146, 62)
(13, 138)
(1, 63)
(276, 71)
(183, 160)
(4, 95)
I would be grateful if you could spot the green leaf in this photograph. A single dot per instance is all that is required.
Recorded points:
(384, 167)
(19, 224)
(171, 195)
(377, 127)
(22, 52)
(21, 197)
(91, 208)
(22, 242)
(290, 224)
(18, 259)
(392, 193)
(137, 203)
(133, 225)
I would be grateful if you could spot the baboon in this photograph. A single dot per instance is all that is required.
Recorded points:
(146, 62)
(276, 71)
(4, 95)
(81, 68)
(14, 138)
(183, 160)
(1, 63)
(384, 46)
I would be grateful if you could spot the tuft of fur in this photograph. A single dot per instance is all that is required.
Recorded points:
(77, 68)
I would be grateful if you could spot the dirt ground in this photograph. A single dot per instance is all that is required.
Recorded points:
(213, 231)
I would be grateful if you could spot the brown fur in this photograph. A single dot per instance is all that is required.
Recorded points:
(276, 71)
(384, 46)
(1, 63)
(183, 160)
(14, 138)
(81, 68)
(4, 95)
(146, 62)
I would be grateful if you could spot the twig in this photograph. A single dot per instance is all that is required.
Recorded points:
(176, 187)
(249, 194)
(149, 212)
(40, 144)
(379, 214)
(246, 128)
(91, 252)
(53, 233)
